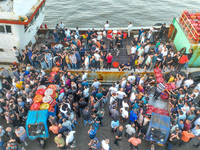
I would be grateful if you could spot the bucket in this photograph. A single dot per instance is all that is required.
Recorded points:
(115, 64)
(109, 36)
(37, 98)
(109, 31)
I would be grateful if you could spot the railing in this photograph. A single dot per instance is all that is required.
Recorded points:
(192, 32)
(7, 7)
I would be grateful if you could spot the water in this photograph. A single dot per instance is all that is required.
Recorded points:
(94, 13)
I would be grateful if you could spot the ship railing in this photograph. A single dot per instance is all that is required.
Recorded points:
(7, 7)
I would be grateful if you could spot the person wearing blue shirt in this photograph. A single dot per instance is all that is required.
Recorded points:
(133, 116)
(181, 124)
(114, 125)
(85, 83)
(78, 57)
(92, 132)
(29, 53)
(135, 106)
(62, 129)
(48, 60)
(94, 144)
(144, 100)
(21, 103)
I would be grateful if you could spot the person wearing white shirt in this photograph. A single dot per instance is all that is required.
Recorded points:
(67, 33)
(164, 51)
(130, 130)
(70, 138)
(196, 130)
(130, 27)
(123, 83)
(113, 98)
(133, 49)
(96, 84)
(117, 85)
(121, 95)
(131, 78)
(132, 98)
(197, 87)
(188, 82)
(146, 48)
(141, 81)
(125, 104)
(106, 26)
(84, 76)
(86, 93)
(62, 26)
(105, 144)
(160, 47)
(124, 113)
(197, 122)
(112, 89)
(140, 51)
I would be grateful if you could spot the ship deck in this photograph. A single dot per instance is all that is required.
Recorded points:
(123, 56)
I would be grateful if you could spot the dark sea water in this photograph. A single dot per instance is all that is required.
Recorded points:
(94, 13)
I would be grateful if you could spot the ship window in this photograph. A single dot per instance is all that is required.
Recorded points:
(2, 30)
(5, 29)
(8, 29)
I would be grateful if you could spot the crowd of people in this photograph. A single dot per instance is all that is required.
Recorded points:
(72, 51)
(126, 101)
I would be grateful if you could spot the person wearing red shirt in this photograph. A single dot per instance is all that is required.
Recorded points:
(187, 125)
(109, 60)
(186, 136)
(134, 141)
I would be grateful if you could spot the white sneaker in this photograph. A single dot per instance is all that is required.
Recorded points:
(26, 144)
(73, 146)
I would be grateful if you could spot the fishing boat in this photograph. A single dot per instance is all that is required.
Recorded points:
(19, 23)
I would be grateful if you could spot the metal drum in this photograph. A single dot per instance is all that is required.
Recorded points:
(42, 87)
(47, 99)
(49, 92)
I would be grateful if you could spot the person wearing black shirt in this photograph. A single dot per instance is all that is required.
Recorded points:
(133, 57)
(119, 135)
(15, 119)
(169, 60)
(174, 138)
(56, 79)
(5, 85)
(105, 93)
(162, 30)
(119, 43)
(111, 44)
(122, 67)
